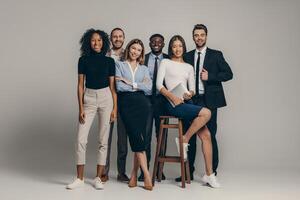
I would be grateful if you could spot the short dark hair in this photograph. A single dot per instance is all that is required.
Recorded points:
(116, 29)
(85, 42)
(172, 40)
(200, 26)
(156, 35)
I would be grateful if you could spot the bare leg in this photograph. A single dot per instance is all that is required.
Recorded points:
(143, 163)
(80, 169)
(205, 137)
(135, 167)
(198, 122)
(100, 170)
(133, 179)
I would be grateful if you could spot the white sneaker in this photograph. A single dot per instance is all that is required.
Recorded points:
(98, 184)
(211, 180)
(75, 184)
(185, 148)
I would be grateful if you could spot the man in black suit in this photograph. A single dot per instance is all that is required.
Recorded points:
(152, 60)
(211, 70)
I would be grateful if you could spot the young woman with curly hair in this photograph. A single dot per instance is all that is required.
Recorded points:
(96, 95)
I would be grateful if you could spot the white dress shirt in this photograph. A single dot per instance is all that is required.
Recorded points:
(202, 56)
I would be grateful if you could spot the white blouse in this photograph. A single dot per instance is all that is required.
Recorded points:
(173, 73)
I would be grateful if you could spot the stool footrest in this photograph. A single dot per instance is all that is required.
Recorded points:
(169, 159)
(169, 125)
(167, 117)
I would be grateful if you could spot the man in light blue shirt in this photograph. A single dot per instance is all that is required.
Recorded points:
(117, 37)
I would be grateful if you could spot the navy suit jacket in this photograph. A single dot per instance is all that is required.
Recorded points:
(218, 71)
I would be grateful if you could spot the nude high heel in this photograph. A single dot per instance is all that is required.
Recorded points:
(132, 183)
(148, 187)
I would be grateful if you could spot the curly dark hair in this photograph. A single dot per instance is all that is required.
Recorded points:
(85, 42)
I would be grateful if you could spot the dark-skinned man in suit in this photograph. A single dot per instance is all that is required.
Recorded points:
(152, 61)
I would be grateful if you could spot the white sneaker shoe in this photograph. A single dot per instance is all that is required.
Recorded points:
(185, 148)
(211, 180)
(75, 184)
(98, 184)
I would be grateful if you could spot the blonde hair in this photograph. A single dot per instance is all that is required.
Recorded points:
(141, 58)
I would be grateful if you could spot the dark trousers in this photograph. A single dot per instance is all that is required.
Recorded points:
(212, 127)
(157, 110)
(122, 146)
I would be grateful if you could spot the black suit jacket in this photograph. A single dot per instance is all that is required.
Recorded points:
(147, 58)
(218, 71)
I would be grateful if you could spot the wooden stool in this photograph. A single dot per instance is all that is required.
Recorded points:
(160, 158)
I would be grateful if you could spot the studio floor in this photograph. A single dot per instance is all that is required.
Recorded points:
(239, 185)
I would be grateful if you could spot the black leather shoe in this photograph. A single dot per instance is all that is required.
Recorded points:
(178, 179)
(122, 178)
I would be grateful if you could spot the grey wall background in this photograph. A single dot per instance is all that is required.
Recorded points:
(39, 49)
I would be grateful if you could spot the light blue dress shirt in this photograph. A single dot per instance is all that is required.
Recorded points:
(151, 63)
(140, 78)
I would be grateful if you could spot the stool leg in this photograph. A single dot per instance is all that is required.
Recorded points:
(180, 132)
(165, 143)
(158, 149)
(162, 152)
(187, 169)
(165, 136)
(160, 167)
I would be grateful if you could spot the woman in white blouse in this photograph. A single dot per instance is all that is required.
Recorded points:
(173, 72)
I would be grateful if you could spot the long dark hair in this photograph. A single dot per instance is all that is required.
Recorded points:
(85, 42)
(172, 40)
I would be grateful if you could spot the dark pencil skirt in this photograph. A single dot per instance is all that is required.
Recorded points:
(134, 108)
(187, 111)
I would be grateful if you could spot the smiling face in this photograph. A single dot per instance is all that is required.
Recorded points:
(117, 39)
(156, 44)
(135, 51)
(177, 49)
(96, 42)
(199, 37)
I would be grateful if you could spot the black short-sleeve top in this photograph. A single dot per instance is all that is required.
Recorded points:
(97, 69)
